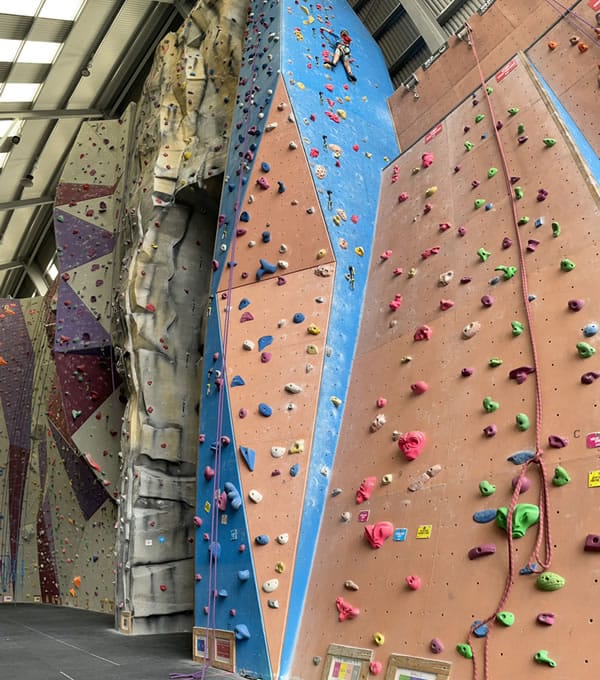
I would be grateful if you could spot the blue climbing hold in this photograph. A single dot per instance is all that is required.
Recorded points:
(484, 516)
(265, 410)
(528, 569)
(261, 539)
(521, 457)
(264, 341)
(237, 381)
(241, 632)
(480, 629)
(214, 550)
(265, 268)
(233, 496)
(590, 329)
(243, 574)
(531, 297)
(223, 593)
(249, 456)
(489, 206)
(244, 302)
(265, 167)
(294, 470)
(266, 237)
(298, 317)
(280, 187)
(245, 216)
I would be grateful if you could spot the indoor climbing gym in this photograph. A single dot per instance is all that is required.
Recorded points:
(299, 339)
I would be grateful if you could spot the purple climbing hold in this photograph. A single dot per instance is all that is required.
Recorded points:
(482, 550)
(246, 316)
(265, 357)
(436, 646)
(490, 430)
(465, 279)
(547, 618)
(525, 483)
(520, 374)
(557, 442)
(576, 305)
(487, 300)
(592, 543)
(467, 372)
(589, 377)
(506, 242)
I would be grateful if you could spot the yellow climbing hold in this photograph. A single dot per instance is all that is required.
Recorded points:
(412, 272)
(280, 567)
(336, 401)
(359, 250)
(378, 639)
(297, 446)
(430, 191)
(341, 113)
(187, 155)
(300, 85)
(312, 349)
(313, 329)
(336, 220)
(321, 254)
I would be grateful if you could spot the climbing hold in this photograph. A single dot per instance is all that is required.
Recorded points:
(479, 117)
(494, 362)
(298, 317)
(523, 220)
(261, 539)
(482, 550)
(255, 496)
(590, 329)
(294, 470)
(525, 483)
(249, 456)
(427, 159)
(484, 516)
(555, 228)
(376, 534)
(492, 172)
(486, 489)
(436, 646)
(547, 618)
(378, 422)
(346, 610)
(412, 444)
(557, 442)
(549, 141)
(241, 632)
(483, 254)
(522, 422)
(297, 447)
(506, 243)
(469, 145)
(467, 372)
(387, 479)
(487, 300)
(478, 203)
(590, 377)
(265, 268)
(550, 581)
(233, 496)
(552, 44)
(525, 515)
(403, 197)
(542, 657)
(265, 410)
(366, 487)
(471, 329)
(243, 574)
(378, 639)
(465, 650)
(505, 618)
(423, 333)
(561, 476)
(420, 387)
(567, 265)
(520, 457)
(480, 629)
(413, 582)
(520, 374)
(513, 111)
(517, 328)
(445, 278)
(430, 191)
(585, 350)
(350, 585)
(489, 405)
(446, 304)
(518, 193)
(592, 543)
(532, 244)
(312, 329)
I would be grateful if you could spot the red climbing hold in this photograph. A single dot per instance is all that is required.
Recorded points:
(427, 159)
(413, 582)
(366, 487)
(376, 534)
(423, 333)
(412, 444)
(346, 610)
(419, 387)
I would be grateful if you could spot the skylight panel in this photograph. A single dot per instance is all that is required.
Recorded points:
(19, 92)
(61, 9)
(3, 159)
(38, 52)
(24, 8)
(8, 49)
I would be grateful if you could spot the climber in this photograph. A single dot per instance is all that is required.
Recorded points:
(341, 50)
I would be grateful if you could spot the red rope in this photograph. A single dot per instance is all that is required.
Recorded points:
(540, 559)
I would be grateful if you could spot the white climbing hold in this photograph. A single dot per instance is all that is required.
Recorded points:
(251, 244)
(271, 126)
(283, 248)
(255, 496)
(281, 323)
(270, 585)
(278, 451)
(292, 388)
(292, 145)
(345, 516)
(248, 345)
(283, 264)
(378, 422)
(282, 539)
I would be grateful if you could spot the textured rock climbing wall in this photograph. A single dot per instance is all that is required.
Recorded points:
(182, 131)
(291, 257)
(56, 520)
(463, 362)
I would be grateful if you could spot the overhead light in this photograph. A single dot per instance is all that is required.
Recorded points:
(61, 9)
(26, 8)
(38, 52)
(9, 49)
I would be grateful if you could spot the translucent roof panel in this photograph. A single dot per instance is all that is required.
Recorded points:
(61, 9)
(8, 49)
(3, 159)
(25, 8)
(19, 92)
(38, 52)
(5, 127)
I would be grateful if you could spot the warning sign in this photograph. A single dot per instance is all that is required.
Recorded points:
(434, 133)
(505, 70)
(594, 4)
(593, 479)
(424, 531)
(592, 440)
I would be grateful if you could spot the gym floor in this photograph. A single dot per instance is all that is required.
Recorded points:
(41, 642)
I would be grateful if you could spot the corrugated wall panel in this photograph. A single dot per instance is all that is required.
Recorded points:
(374, 13)
(461, 16)
(397, 39)
(436, 6)
(410, 67)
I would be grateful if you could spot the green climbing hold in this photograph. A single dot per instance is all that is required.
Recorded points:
(561, 476)
(489, 89)
(483, 254)
(517, 328)
(585, 350)
(508, 272)
(505, 618)
(513, 110)
(525, 515)
(518, 193)
(549, 141)
(479, 117)
(542, 657)
(469, 145)
(492, 172)
(479, 203)
(522, 422)
(486, 489)
(567, 265)
(489, 405)
(555, 228)
(523, 220)
(465, 650)
(521, 129)
(550, 581)
(494, 362)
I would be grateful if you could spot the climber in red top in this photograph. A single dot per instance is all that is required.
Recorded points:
(341, 50)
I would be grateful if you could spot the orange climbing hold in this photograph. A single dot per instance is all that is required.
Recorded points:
(552, 45)
(3, 362)
(77, 581)
(583, 47)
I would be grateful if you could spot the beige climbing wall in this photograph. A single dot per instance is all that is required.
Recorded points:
(455, 591)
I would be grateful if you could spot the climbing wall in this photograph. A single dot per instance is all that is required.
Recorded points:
(567, 59)
(291, 256)
(56, 521)
(473, 315)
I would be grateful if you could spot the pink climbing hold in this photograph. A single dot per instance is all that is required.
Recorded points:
(490, 430)
(346, 610)
(396, 302)
(377, 534)
(525, 483)
(375, 667)
(423, 333)
(209, 473)
(427, 159)
(546, 618)
(263, 183)
(381, 402)
(366, 487)
(428, 252)
(446, 304)
(427, 208)
(419, 387)
(385, 255)
(222, 502)
(397, 271)
(412, 444)
(197, 521)
(403, 197)
(436, 646)
(506, 242)
(444, 226)
(482, 550)
(413, 582)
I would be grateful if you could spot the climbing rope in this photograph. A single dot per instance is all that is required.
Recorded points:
(569, 15)
(541, 555)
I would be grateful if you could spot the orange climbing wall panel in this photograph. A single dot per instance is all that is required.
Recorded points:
(573, 74)
(294, 220)
(507, 26)
(456, 591)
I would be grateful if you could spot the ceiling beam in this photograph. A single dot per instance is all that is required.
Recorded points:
(5, 266)
(48, 114)
(26, 203)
